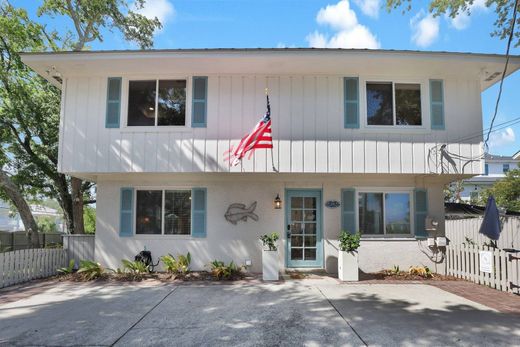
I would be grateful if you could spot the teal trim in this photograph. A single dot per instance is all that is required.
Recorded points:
(316, 193)
(113, 107)
(198, 212)
(199, 107)
(348, 210)
(421, 212)
(486, 169)
(437, 104)
(351, 102)
(126, 217)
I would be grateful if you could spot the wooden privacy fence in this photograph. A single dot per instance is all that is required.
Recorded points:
(463, 257)
(28, 264)
(79, 247)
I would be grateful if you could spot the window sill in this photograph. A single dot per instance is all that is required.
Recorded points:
(162, 237)
(156, 129)
(394, 129)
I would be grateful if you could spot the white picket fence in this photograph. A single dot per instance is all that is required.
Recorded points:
(459, 229)
(464, 262)
(28, 264)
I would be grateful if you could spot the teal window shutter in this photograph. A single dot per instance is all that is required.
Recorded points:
(198, 212)
(437, 104)
(351, 99)
(113, 102)
(348, 210)
(199, 107)
(126, 224)
(421, 211)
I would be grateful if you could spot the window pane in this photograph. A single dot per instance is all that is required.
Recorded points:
(148, 212)
(408, 104)
(177, 212)
(371, 213)
(172, 102)
(397, 213)
(310, 254)
(141, 103)
(379, 104)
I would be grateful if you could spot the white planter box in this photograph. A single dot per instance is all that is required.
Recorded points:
(270, 265)
(348, 268)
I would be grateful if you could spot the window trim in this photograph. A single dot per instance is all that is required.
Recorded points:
(385, 190)
(163, 201)
(424, 128)
(125, 88)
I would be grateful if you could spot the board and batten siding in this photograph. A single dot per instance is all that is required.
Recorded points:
(308, 131)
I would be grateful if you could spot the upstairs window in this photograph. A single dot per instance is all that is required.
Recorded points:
(157, 103)
(393, 104)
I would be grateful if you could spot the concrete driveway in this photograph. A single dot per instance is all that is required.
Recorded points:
(292, 313)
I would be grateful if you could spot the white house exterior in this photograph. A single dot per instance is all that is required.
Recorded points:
(163, 183)
(495, 169)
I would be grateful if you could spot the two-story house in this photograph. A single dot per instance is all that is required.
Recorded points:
(377, 132)
(495, 169)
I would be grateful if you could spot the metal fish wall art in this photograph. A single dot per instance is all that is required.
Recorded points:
(239, 212)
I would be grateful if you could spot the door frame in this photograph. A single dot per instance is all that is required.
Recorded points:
(319, 263)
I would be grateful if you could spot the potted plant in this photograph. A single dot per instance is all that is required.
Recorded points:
(270, 265)
(348, 267)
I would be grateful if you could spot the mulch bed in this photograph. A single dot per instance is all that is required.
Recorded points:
(159, 276)
(403, 276)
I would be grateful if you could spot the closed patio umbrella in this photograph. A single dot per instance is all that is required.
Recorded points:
(491, 222)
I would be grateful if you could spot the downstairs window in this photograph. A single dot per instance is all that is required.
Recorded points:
(385, 213)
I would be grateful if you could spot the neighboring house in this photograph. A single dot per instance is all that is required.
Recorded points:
(495, 169)
(12, 222)
(380, 132)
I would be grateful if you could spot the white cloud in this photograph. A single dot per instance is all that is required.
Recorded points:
(462, 20)
(162, 9)
(349, 33)
(369, 7)
(502, 138)
(425, 29)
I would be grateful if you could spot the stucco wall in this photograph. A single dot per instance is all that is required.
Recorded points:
(228, 242)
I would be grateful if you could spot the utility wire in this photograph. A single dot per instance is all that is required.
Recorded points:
(481, 132)
(511, 34)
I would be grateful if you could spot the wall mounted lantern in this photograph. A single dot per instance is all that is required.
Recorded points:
(277, 202)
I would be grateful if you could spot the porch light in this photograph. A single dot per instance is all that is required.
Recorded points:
(277, 202)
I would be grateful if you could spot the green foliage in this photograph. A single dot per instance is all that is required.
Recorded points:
(505, 191)
(67, 270)
(269, 241)
(503, 10)
(395, 270)
(452, 191)
(181, 265)
(89, 219)
(225, 272)
(89, 270)
(47, 224)
(349, 242)
(135, 267)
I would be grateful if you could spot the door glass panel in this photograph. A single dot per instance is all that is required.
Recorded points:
(310, 202)
(296, 202)
(296, 241)
(310, 228)
(310, 216)
(310, 254)
(297, 215)
(310, 241)
(296, 228)
(296, 254)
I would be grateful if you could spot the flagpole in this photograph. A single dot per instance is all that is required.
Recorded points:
(272, 142)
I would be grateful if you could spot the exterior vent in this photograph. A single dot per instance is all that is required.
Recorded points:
(492, 76)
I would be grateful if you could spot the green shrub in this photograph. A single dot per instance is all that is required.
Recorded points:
(89, 270)
(135, 268)
(349, 242)
(225, 272)
(269, 241)
(69, 269)
(179, 265)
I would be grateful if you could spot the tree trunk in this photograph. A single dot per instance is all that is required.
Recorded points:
(23, 208)
(77, 205)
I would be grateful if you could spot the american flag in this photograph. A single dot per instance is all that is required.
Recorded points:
(259, 137)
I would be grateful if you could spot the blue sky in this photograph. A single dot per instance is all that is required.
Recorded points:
(328, 23)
